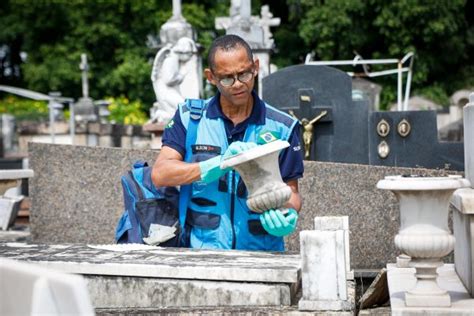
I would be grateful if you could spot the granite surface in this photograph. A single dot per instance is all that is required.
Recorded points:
(335, 189)
(76, 192)
(77, 198)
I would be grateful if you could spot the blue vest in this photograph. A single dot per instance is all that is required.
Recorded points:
(217, 216)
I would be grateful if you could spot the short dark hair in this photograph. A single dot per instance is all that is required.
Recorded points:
(227, 43)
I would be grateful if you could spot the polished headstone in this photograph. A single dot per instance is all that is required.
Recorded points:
(420, 148)
(348, 131)
(307, 91)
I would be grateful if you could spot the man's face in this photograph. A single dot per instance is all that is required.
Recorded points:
(233, 64)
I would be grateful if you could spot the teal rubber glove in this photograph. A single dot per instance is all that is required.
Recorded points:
(238, 147)
(277, 224)
(211, 169)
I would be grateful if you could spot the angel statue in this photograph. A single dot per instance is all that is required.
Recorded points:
(175, 76)
(308, 130)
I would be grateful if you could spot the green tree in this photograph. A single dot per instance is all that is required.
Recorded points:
(440, 33)
(41, 41)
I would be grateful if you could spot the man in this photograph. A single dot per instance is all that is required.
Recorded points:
(233, 121)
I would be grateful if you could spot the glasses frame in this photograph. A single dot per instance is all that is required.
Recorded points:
(236, 77)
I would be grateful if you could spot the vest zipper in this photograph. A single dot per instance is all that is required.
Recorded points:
(232, 207)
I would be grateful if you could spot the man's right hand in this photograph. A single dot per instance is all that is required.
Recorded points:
(238, 147)
(210, 169)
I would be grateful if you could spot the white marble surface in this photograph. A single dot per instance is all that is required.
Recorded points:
(463, 229)
(260, 172)
(16, 174)
(27, 289)
(333, 223)
(401, 280)
(175, 263)
(323, 271)
(463, 200)
(135, 292)
(468, 139)
(422, 183)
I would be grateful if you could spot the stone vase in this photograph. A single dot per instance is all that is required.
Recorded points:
(260, 172)
(424, 234)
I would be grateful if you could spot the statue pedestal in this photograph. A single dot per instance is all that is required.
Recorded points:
(156, 131)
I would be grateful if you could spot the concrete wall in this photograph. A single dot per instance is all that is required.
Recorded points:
(77, 198)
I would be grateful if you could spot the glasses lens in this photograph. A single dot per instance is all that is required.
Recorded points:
(227, 81)
(246, 76)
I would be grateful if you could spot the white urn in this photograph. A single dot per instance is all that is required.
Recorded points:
(424, 234)
(260, 172)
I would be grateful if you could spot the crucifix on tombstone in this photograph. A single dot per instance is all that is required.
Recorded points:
(308, 109)
(84, 66)
(308, 130)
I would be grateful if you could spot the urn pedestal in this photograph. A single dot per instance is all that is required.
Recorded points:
(260, 172)
(424, 234)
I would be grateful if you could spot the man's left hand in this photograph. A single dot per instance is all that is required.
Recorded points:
(277, 224)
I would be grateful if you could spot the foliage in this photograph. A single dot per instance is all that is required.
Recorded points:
(113, 34)
(435, 93)
(23, 109)
(440, 33)
(123, 111)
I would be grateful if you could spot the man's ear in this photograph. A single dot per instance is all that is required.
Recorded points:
(209, 76)
(257, 65)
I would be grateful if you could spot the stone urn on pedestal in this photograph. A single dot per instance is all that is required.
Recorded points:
(260, 172)
(424, 234)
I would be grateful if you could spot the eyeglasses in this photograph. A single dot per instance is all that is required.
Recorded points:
(243, 77)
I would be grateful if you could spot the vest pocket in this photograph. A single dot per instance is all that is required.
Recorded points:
(203, 220)
(256, 228)
(203, 201)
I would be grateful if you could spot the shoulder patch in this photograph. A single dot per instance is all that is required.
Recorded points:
(267, 137)
(170, 123)
(280, 116)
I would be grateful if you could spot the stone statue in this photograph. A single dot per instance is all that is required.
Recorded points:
(308, 130)
(175, 76)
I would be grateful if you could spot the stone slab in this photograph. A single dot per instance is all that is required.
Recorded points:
(469, 135)
(156, 262)
(464, 248)
(27, 289)
(219, 311)
(463, 200)
(345, 305)
(323, 276)
(402, 279)
(132, 292)
(16, 174)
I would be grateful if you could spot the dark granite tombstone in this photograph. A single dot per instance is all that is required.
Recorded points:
(420, 148)
(348, 130)
(307, 91)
